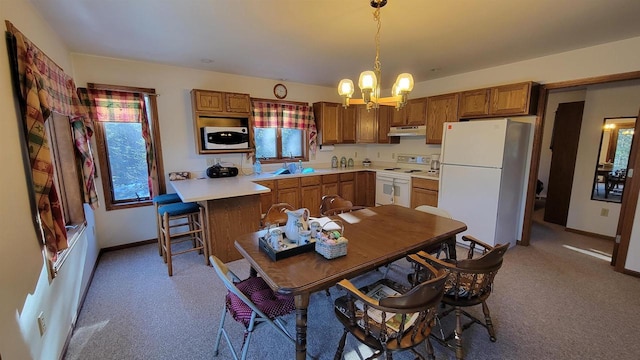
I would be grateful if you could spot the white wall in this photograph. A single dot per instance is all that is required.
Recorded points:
(24, 283)
(602, 101)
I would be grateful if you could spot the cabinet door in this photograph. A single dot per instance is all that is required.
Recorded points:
(290, 196)
(209, 100)
(329, 189)
(348, 190)
(365, 188)
(474, 103)
(326, 115)
(347, 119)
(238, 103)
(416, 113)
(510, 99)
(440, 109)
(267, 199)
(367, 125)
(310, 198)
(424, 197)
(399, 117)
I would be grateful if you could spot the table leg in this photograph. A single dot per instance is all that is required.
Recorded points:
(302, 303)
(451, 245)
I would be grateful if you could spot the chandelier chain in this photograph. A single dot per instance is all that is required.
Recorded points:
(378, 19)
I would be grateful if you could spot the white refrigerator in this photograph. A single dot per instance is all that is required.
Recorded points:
(482, 177)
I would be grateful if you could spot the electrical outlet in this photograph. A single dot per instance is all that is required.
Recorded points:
(393, 155)
(604, 212)
(378, 154)
(356, 155)
(211, 161)
(42, 325)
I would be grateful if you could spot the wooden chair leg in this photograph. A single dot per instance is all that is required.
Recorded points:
(341, 344)
(430, 353)
(167, 242)
(458, 334)
(488, 322)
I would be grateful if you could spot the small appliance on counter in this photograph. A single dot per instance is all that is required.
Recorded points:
(435, 162)
(218, 171)
(366, 162)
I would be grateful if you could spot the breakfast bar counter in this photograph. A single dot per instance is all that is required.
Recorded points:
(232, 208)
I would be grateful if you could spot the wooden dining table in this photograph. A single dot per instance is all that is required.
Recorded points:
(377, 236)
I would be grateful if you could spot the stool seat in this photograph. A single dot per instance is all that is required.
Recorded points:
(177, 209)
(166, 199)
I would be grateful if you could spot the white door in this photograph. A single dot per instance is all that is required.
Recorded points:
(474, 143)
(471, 195)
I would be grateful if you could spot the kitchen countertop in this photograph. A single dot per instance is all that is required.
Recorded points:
(202, 189)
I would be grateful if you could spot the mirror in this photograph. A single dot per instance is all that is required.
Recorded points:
(611, 169)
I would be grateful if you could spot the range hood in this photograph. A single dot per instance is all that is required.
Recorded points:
(408, 131)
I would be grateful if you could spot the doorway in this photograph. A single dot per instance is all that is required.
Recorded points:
(627, 212)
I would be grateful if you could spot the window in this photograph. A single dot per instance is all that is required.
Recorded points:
(283, 131)
(128, 140)
(279, 143)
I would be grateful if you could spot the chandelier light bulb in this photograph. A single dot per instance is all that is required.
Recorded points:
(345, 88)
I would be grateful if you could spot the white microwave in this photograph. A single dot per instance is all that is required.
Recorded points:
(223, 138)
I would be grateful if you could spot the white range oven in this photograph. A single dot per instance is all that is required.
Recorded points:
(393, 185)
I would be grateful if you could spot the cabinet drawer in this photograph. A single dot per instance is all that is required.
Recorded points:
(332, 178)
(288, 183)
(271, 184)
(309, 180)
(347, 176)
(425, 184)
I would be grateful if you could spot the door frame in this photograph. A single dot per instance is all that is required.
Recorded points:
(627, 211)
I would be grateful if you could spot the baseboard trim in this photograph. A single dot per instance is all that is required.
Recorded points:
(126, 246)
(581, 232)
(631, 272)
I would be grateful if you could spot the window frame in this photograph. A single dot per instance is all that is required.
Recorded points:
(101, 148)
(279, 156)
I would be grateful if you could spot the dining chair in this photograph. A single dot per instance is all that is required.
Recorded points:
(335, 204)
(250, 302)
(276, 215)
(388, 317)
(469, 283)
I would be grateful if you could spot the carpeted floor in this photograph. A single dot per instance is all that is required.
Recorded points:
(549, 302)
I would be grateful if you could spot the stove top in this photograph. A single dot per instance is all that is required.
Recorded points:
(404, 170)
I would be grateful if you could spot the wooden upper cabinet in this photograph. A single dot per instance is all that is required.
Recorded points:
(221, 102)
(506, 100)
(413, 113)
(384, 123)
(511, 99)
(208, 100)
(366, 125)
(440, 109)
(237, 103)
(327, 115)
(474, 103)
(347, 117)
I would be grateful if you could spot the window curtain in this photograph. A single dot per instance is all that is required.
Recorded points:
(45, 89)
(122, 106)
(269, 115)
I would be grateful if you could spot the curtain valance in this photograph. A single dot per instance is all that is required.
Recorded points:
(271, 115)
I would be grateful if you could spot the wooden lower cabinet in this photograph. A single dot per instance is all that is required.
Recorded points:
(347, 187)
(424, 192)
(330, 184)
(365, 188)
(267, 199)
(288, 191)
(311, 193)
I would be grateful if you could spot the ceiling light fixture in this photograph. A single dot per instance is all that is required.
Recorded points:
(369, 81)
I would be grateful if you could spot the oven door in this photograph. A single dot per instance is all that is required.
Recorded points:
(393, 190)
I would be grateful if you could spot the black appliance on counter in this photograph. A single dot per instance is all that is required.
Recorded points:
(217, 171)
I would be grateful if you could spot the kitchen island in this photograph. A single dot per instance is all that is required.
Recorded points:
(232, 208)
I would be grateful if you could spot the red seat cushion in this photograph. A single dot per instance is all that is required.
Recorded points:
(257, 290)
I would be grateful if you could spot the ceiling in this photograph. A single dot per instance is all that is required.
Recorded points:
(319, 42)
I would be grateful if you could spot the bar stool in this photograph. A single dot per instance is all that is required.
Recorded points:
(158, 201)
(195, 221)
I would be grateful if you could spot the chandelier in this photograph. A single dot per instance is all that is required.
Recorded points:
(369, 82)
